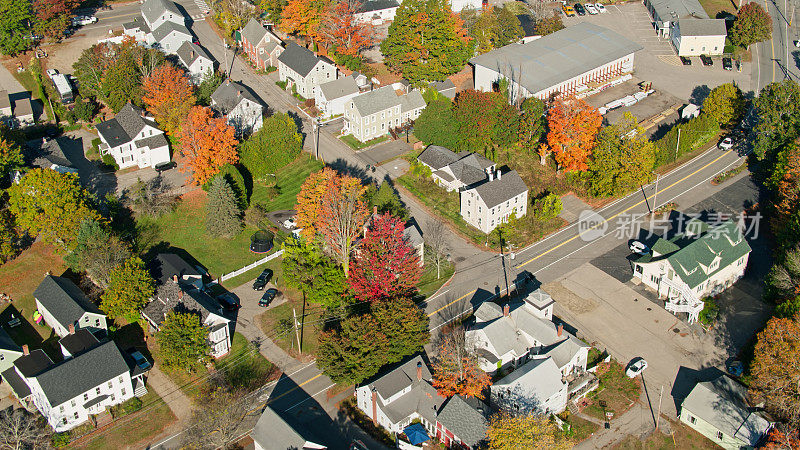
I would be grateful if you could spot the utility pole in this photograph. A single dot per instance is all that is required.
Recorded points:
(678, 144)
(302, 324)
(296, 329)
(655, 196)
(315, 126)
(660, 396)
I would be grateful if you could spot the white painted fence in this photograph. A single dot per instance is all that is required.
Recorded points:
(250, 266)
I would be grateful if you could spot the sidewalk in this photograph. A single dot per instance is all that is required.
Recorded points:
(173, 396)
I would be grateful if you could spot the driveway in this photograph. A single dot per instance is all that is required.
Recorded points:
(658, 62)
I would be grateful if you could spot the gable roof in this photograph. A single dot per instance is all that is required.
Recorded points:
(501, 189)
(64, 300)
(51, 153)
(168, 27)
(229, 94)
(366, 6)
(189, 52)
(78, 342)
(721, 402)
(703, 27)
(339, 88)
(180, 297)
(165, 265)
(446, 88)
(422, 398)
(411, 101)
(467, 418)
(470, 168)
(34, 363)
(301, 59)
(437, 156)
(282, 431)
(254, 32)
(153, 9)
(538, 378)
(563, 352)
(74, 376)
(557, 57)
(7, 343)
(376, 100)
(128, 122)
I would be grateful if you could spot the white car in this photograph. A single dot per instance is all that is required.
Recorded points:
(590, 9)
(639, 248)
(636, 367)
(600, 7)
(51, 73)
(83, 20)
(726, 144)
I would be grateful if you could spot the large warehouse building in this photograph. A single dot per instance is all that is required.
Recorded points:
(577, 60)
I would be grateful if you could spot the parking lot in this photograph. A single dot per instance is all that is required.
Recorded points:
(658, 61)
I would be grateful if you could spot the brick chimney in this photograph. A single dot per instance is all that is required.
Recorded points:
(25, 350)
(374, 407)
(72, 328)
(560, 329)
(175, 279)
(191, 54)
(180, 296)
(419, 370)
(375, 210)
(506, 310)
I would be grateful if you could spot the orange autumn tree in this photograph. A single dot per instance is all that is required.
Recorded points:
(304, 17)
(207, 143)
(774, 373)
(341, 30)
(573, 126)
(309, 201)
(168, 96)
(456, 370)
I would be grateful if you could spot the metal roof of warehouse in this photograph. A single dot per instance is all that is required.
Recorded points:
(555, 58)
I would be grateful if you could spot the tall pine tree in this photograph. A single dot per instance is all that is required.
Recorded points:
(223, 216)
(426, 41)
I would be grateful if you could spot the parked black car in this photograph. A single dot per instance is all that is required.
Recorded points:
(579, 9)
(707, 61)
(165, 166)
(727, 64)
(262, 280)
(686, 61)
(229, 301)
(268, 297)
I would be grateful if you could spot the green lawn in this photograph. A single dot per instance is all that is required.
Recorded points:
(580, 429)
(616, 391)
(681, 437)
(428, 283)
(714, 7)
(289, 180)
(278, 322)
(355, 144)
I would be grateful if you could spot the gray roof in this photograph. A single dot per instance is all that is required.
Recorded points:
(376, 5)
(189, 52)
(703, 27)
(180, 297)
(74, 376)
(34, 363)
(470, 168)
(23, 107)
(5, 101)
(375, 101)
(437, 156)
(254, 32)
(153, 9)
(539, 299)
(446, 88)
(466, 418)
(78, 342)
(64, 300)
(500, 189)
(128, 122)
(557, 57)
(339, 88)
(422, 398)
(6, 343)
(563, 352)
(488, 311)
(670, 10)
(51, 153)
(411, 101)
(16, 382)
(413, 234)
(281, 431)
(229, 94)
(400, 377)
(152, 142)
(721, 402)
(538, 378)
(137, 23)
(168, 27)
(165, 265)
(300, 59)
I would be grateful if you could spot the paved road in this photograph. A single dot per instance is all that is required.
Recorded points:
(777, 58)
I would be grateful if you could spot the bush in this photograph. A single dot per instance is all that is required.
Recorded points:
(109, 161)
(281, 84)
(256, 216)
(84, 110)
(547, 207)
(420, 170)
(710, 311)
(270, 69)
(694, 134)
(60, 439)
(128, 407)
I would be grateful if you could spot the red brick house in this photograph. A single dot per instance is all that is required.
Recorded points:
(261, 45)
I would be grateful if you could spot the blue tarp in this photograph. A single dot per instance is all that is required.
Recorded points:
(416, 433)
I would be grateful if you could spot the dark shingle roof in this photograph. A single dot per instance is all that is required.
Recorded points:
(64, 300)
(501, 189)
(376, 5)
(229, 94)
(466, 418)
(702, 27)
(281, 430)
(128, 122)
(51, 153)
(165, 265)
(19, 386)
(79, 342)
(470, 168)
(397, 378)
(156, 141)
(34, 363)
(82, 373)
(168, 27)
(189, 52)
(153, 9)
(300, 59)
(6, 343)
(168, 299)
(437, 156)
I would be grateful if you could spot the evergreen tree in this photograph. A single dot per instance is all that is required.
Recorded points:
(426, 41)
(223, 216)
(121, 83)
(387, 201)
(509, 29)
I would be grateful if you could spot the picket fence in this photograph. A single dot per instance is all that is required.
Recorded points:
(244, 269)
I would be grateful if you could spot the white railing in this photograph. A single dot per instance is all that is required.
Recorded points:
(244, 269)
(686, 302)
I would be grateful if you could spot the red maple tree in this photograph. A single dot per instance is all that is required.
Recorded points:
(385, 264)
(341, 29)
(207, 143)
(573, 126)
